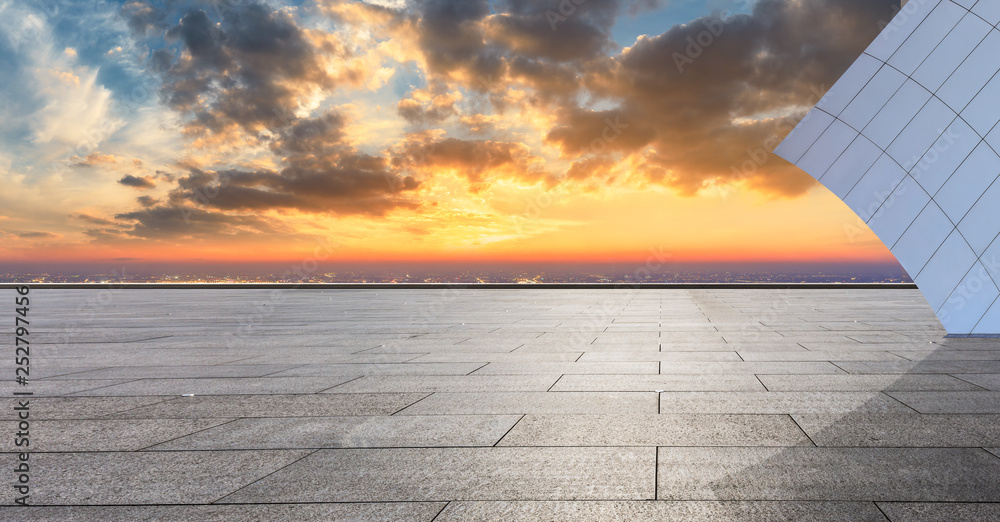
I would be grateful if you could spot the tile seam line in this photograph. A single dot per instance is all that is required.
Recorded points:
(445, 506)
(207, 504)
(341, 384)
(880, 510)
(951, 30)
(411, 404)
(53, 377)
(223, 423)
(954, 376)
(606, 500)
(227, 363)
(486, 447)
(795, 421)
(73, 393)
(126, 410)
(237, 490)
(512, 426)
(656, 473)
(889, 394)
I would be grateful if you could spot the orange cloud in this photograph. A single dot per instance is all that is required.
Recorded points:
(92, 159)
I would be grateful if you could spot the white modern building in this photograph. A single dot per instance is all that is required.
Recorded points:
(908, 138)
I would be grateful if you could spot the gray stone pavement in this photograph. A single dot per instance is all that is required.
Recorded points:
(527, 404)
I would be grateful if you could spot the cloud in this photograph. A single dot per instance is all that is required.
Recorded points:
(538, 30)
(249, 72)
(37, 235)
(147, 201)
(480, 123)
(93, 220)
(589, 167)
(478, 161)
(76, 109)
(144, 18)
(321, 174)
(309, 137)
(173, 222)
(484, 49)
(92, 159)
(710, 108)
(165, 176)
(450, 36)
(144, 182)
(433, 105)
(581, 131)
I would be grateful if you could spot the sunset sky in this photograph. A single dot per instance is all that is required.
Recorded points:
(420, 130)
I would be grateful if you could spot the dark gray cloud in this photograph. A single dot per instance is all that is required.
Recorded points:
(144, 182)
(36, 235)
(248, 70)
(598, 132)
(451, 37)
(93, 220)
(311, 136)
(171, 222)
(559, 32)
(465, 41)
(713, 107)
(321, 174)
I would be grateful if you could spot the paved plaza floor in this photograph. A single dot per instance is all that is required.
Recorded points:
(526, 404)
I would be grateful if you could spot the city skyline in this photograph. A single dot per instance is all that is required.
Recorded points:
(653, 271)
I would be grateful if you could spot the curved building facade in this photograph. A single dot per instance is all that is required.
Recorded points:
(908, 138)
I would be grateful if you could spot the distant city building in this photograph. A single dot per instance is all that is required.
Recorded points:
(908, 138)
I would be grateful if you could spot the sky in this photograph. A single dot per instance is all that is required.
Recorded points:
(420, 130)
